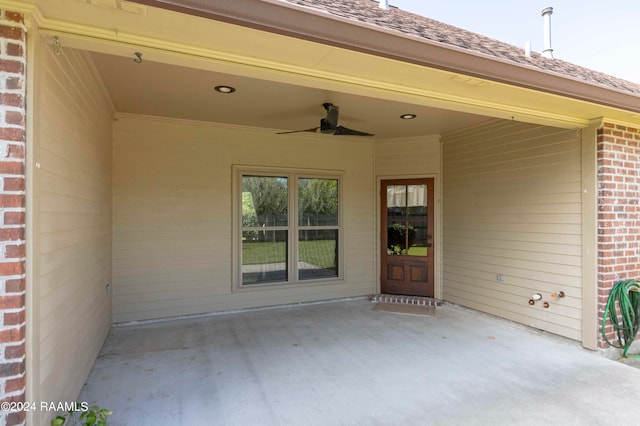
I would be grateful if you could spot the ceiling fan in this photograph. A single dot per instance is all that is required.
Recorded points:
(329, 124)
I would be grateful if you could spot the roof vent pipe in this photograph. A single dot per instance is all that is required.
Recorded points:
(384, 4)
(546, 14)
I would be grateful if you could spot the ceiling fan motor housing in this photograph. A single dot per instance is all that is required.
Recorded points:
(325, 127)
(328, 125)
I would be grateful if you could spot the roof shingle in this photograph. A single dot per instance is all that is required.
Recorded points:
(368, 11)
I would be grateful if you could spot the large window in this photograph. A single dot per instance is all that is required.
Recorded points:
(289, 230)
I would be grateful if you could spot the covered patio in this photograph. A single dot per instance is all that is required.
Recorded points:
(144, 139)
(341, 363)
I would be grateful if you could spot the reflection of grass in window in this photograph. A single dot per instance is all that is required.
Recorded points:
(258, 253)
(320, 253)
(417, 251)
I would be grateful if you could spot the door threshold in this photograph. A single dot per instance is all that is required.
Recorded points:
(405, 300)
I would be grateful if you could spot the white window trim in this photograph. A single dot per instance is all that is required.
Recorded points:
(292, 174)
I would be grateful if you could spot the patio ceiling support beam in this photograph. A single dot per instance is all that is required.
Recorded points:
(589, 209)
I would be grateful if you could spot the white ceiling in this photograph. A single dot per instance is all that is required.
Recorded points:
(156, 89)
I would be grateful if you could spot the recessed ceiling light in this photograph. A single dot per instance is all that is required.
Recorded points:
(408, 116)
(225, 89)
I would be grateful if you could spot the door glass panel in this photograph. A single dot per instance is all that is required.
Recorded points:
(396, 219)
(418, 238)
(318, 254)
(264, 256)
(407, 220)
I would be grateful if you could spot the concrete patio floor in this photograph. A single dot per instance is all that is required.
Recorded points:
(341, 363)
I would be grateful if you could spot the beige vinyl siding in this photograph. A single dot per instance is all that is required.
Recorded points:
(512, 207)
(71, 235)
(408, 157)
(172, 248)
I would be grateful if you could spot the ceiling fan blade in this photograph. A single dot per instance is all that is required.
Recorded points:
(312, 130)
(343, 131)
(329, 124)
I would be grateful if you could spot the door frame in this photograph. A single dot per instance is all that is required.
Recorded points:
(437, 229)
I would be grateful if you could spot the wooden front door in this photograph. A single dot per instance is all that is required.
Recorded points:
(407, 237)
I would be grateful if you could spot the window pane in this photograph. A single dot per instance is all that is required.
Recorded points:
(317, 202)
(396, 196)
(264, 201)
(417, 218)
(396, 219)
(264, 257)
(318, 251)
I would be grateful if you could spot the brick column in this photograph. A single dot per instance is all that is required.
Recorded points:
(618, 210)
(12, 212)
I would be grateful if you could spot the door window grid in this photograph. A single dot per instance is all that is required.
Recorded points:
(407, 220)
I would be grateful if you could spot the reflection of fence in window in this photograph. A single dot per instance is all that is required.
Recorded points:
(417, 217)
(267, 232)
(264, 241)
(265, 201)
(317, 202)
(318, 222)
(315, 219)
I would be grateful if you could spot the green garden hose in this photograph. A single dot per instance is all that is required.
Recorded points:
(623, 312)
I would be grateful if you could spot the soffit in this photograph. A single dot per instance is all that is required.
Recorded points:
(169, 37)
(163, 90)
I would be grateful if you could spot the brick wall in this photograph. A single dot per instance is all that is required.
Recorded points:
(618, 209)
(12, 212)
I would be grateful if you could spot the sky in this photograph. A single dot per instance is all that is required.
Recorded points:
(601, 35)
